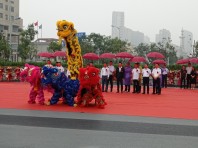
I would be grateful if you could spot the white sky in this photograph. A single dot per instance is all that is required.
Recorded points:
(147, 16)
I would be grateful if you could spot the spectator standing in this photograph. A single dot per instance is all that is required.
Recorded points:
(111, 71)
(193, 78)
(105, 76)
(135, 77)
(146, 72)
(189, 69)
(183, 75)
(59, 67)
(49, 64)
(156, 74)
(127, 77)
(165, 72)
(120, 76)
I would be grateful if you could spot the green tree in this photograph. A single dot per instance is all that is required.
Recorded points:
(96, 42)
(142, 49)
(5, 49)
(86, 45)
(27, 49)
(54, 46)
(168, 51)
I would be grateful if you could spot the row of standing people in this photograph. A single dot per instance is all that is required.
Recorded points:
(188, 77)
(127, 74)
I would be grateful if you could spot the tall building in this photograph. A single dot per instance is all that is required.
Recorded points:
(186, 43)
(126, 34)
(117, 23)
(163, 37)
(10, 23)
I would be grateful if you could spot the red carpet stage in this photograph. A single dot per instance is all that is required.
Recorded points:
(173, 103)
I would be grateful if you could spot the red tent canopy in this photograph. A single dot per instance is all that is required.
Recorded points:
(107, 56)
(124, 55)
(91, 56)
(155, 55)
(137, 59)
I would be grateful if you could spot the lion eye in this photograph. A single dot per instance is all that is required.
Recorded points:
(93, 74)
(65, 27)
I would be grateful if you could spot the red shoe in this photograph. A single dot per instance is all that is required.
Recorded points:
(31, 102)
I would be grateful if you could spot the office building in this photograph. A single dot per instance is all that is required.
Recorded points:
(186, 43)
(10, 23)
(163, 37)
(126, 34)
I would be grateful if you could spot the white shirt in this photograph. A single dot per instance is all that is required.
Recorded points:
(49, 65)
(68, 73)
(111, 69)
(60, 68)
(165, 71)
(136, 73)
(189, 69)
(146, 72)
(104, 71)
(156, 72)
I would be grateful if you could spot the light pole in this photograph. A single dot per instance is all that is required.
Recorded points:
(118, 30)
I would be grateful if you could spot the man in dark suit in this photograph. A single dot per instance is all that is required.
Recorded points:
(119, 77)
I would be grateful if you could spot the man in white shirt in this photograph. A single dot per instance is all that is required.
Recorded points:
(189, 69)
(156, 73)
(146, 72)
(105, 76)
(111, 71)
(49, 64)
(59, 67)
(165, 72)
(136, 76)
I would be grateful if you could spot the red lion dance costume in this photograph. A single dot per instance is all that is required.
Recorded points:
(32, 74)
(90, 88)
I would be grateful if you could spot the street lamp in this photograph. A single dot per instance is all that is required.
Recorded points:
(118, 30)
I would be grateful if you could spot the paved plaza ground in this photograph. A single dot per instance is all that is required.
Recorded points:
(129, 120)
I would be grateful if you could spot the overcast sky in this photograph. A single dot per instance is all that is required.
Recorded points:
(147, 16)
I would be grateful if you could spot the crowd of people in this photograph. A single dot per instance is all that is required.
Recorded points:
(141, 77)
(125, 76)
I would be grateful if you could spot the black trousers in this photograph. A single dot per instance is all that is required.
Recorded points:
(183, 82)
(119, 82)
(188, 81)
(164, 81)
(104, 83)
(146, 84)
(136, 86)
(128, 88)
(156, 86)
(111, 82)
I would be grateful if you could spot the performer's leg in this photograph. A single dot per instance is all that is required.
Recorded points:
(55, 97)
(40, 96)
(32, 96)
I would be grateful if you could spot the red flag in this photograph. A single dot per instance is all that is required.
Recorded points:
(36, 24)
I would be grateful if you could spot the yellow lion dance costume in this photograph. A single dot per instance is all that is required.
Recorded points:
(67, 32)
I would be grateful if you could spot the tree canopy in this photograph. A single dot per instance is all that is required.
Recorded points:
(5, 49)
(27, 49)
(101, 44)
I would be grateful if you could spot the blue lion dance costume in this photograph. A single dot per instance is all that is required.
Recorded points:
(63, 87)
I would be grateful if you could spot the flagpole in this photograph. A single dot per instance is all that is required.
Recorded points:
(41, 31)
(37, 30)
